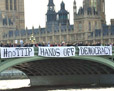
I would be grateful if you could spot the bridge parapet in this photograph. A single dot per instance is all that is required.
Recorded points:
(9, 62)
(95, 68)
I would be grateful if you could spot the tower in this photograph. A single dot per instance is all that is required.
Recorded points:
(98, 5)
(14, 9)
(87, 20)
(101, 9)
(51, 14)
(74, 8)
(63, 15)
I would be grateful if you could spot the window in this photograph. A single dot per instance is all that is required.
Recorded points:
(103, 6)
(80, 26)
(10, 4)
(15, 5)
(94, 4)
(6, 4)
(95, 25)
(89, 26)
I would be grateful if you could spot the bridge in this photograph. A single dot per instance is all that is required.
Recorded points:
(77, 70)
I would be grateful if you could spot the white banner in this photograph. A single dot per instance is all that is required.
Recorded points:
(56, 51)
(95, 50)
(17, 52)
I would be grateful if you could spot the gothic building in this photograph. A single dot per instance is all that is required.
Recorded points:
(89, 24)
(11, 17)
(51, 14)
(13, 12)
(57, 28)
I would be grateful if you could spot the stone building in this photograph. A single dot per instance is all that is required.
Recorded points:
(11, 17)
(57, 28)
(89, 25)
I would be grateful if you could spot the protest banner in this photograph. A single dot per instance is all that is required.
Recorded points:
(95, 50)
(13, 52)
(56, 51)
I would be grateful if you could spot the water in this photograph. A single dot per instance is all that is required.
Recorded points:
(12, 84)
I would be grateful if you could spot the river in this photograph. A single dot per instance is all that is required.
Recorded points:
(12, 84)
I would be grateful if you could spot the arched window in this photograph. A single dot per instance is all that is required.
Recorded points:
(103, 6)
(89, 26)
(10, 4)
(95, 25)
(80, 26)
(15, 4)
(6, 4)
(94, 4)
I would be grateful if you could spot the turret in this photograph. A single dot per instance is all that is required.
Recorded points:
(51, 14)
(51, 5)
(74, 7)
(63, 15)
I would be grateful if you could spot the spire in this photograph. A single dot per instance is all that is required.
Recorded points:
(51, 3)
(74, 3)
(63, 14)
(51, 14)
(62, 5)
(83, 3)
(74, 7)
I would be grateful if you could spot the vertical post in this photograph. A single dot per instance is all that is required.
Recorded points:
(26, 34)
(60, 32)
(101, 36)
(39, 34)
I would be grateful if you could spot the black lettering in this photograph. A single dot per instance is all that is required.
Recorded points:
(108, 50)
(17, 51)
(29, 51)
(90, 50)
(26, 52)
(72, 50)
(46, 52)
(41, 51)
(54, 52)
(14, 53)
(22, 50)
(64, 52)
(9, 54)
(68, 51)
(57, 52)
(99, 50)
(5, 52)
(81, 50)
(85, 51)
(50, 52)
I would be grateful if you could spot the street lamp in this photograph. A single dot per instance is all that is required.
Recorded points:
(32, 39)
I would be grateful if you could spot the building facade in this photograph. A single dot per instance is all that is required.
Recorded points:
(11, 17)
(89, 25)
(57, 28)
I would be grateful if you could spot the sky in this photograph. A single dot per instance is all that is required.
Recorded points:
(35, 11)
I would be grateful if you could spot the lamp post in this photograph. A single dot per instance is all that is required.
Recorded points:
(32, 39)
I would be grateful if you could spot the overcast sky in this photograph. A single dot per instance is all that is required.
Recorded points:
(35, 11)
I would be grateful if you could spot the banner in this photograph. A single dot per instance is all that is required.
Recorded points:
(16, 52)
(56, 51)
(95, 50)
